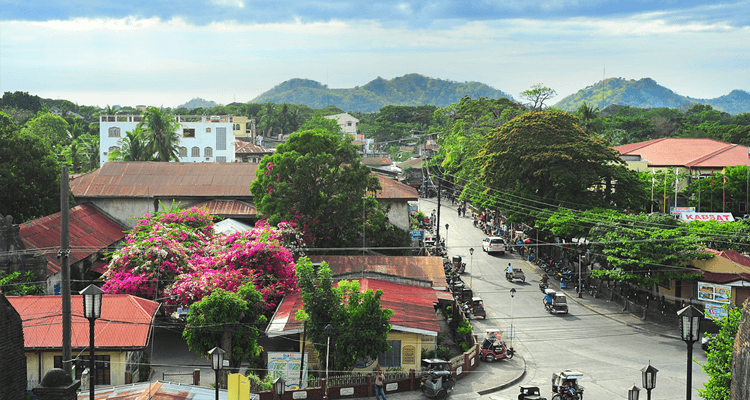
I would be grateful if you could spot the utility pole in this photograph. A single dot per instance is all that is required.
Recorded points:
(64, 255)
(437, 232)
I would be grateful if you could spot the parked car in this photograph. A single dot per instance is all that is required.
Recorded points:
(494, 244)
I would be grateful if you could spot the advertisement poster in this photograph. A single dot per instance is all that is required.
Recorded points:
(680, 210)
(721, 217)
(713, 292)
(287, 366)
(714, 310)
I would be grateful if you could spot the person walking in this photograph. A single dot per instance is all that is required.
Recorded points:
(379, 382)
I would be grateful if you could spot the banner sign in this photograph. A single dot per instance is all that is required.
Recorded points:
(715, 293)
(721, 217)
(417, 235)
(287, 366)
(680, 210)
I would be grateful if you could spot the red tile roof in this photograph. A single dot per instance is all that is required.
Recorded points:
(395, 190)
(426, 269)
(414, 162)
(125, 321)
(687, 152)
(228, 207)
(377, 161)
(412, 306)
(166, 179)
(90, 231)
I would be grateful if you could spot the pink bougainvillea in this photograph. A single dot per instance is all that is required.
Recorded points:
(176, 257)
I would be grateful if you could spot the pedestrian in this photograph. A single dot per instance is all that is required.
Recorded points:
(464, 209)
(459, 211)
(379, 381)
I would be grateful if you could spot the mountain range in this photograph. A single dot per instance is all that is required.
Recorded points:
(408, 90)
(646, 93)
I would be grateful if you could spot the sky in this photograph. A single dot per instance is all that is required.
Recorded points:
(165, 53)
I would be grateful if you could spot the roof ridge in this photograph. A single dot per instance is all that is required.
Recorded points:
(728, 147)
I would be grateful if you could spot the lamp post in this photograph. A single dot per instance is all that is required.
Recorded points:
(633, 393)
(446, 237)
(217, 364)
(580, 250)
(471, 268)
(690, 322)
(279, 388)
(649, 379)
(92, 309)
(512, 295)
(329, 330)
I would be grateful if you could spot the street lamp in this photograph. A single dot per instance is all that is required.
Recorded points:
(512, 295)
(690, 323)
(649, 379)
(329, 330)
(471, 268)
(580, 251)
(217, 364)
(92, 309)
(279, 388)
(446, 237)
(633, 393)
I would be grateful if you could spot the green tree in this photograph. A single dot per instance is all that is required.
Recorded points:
(29, 174)
(546, 158)
(21, 284)
(22, 101)
(359, 323)
(319, 122)
(537, 95)
(132, 147)
(239, 314)
(718, 365)
(317, 180)
(51, 128)
(587, 114)
(160, 130)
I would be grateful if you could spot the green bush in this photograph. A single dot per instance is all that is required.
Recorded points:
(427, 353)
(464, 328)
(443, 352)
(264, 384)
(465, 346)
(144, 368)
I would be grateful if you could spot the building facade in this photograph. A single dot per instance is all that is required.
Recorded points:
(202, 138)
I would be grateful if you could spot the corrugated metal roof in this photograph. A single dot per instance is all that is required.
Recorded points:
(228, 207)
(125, 321)
(157, 391)
(412, 306)
(376, 161)
(90, 231)
(395, 190)
(687, 152)
(166, 179)
(429, 269)
(242, 147)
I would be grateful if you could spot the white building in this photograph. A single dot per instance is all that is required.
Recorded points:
(348, 123)
(202, 138)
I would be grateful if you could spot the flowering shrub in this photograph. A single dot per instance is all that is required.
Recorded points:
(176, 255)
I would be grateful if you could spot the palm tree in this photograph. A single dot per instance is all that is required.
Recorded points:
(587, 114)
(160, 133)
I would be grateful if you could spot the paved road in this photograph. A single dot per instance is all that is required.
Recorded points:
(596, 338)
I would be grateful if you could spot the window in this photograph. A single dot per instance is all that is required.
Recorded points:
(208, 152)
(195, 152)
(102, 367)
(392, 357)
(236, 127)
(349, 123)
(221, 159)
(208, 130)
(113, 148)
(221, 138)
(183, 151)
(114, 131)
(188, 133)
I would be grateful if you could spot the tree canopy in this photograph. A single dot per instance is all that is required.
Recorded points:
(537, 95)
(718, 365)
(160, 131)
(315, 179)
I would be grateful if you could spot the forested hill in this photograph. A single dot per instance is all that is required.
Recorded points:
(646, 93)
(408, 90)
(198, 103)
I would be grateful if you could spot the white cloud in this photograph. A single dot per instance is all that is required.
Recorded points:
(229, 3)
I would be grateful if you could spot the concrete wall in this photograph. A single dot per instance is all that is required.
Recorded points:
(123, 210)
(12, 365)
(45, 361)
(740, 387)
(398, 214)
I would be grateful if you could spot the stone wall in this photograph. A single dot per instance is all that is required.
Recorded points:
(14, 257)
(13, 360)
(741, 358)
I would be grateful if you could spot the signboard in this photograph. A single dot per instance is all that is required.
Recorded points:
(715, 296)
(287, 366)
(680, 210)
(409, 354)
(346, 391)
(721, 217)
(417, 235)
(299, 395)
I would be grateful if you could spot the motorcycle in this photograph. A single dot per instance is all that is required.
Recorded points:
(593, 290)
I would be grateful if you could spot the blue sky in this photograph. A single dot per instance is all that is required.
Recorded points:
(168, 52)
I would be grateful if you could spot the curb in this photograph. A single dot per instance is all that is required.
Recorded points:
(507, 384)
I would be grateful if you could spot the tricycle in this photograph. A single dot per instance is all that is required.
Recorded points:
(555, 303)
(458, 266)
(516, 274)
(437, 379)
(565, 385)
(530, 393)
(493, 348)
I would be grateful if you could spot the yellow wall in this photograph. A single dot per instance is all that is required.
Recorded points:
(415, 340)
(718, 264)
(242, 121)
(117, 364)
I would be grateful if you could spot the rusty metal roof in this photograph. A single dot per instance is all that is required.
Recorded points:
(241, 147)
(166, 179)
(376, 161)
(395, 190)
(125, 321)
(228, 207)
(90, 231)
(427, 269)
